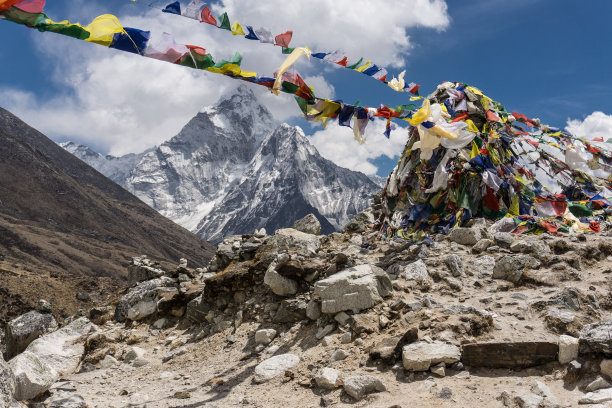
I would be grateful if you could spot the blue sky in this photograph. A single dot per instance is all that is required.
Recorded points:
(545, 58)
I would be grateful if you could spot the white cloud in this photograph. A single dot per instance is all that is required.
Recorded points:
(337, 144)
(120, 103)
(372, 29)
(597, 124)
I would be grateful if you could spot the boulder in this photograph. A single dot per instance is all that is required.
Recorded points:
(417, 272)
(328, 378)
(358, 386)
(356, 289)
(595, 338)
(265, 336)
(360, 222)
(597, 397)
(48, 358)
(133, 354)
(142, 300)
(465, 236)
(309, 225)
(605, 368)
(280, 285)
(568, 349)
(141, 270)
(503, 239)
(455, 265)
(289, 238)
(67, 400)
(7, 384)
(274, 366)
(482, 245)
(20, 332)
(419, 356)
(598, 384)
(509, 355)
(510, 268)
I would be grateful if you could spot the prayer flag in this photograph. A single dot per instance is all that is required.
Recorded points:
(173, 8)
(283, 40)
(225, 23)
(251, 35)
(237, 29)
(206, 17)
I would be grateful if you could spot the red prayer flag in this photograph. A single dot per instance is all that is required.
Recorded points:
(283, 40)
(598, 139)
(207, 17)
(343, 62)
(464, 115)
(491, 116)
(594, 226)
(7, 5)
(550, 227)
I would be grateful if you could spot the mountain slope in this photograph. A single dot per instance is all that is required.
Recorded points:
(233, 168)
(57, 213)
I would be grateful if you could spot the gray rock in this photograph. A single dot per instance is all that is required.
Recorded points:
(142, 300)
(597, 397)
(324, 331)
(275, 366)
(67, 400)
(7, 384)
(454, 284)
(304, 244)
(265, 336)
(313, 310)
(279, 284)
(417, 272)
(605, 368)
(328, 378)
(528, 400)
(559, 319)
(568, 349)
(419, 356)
(503, 239)
(309, 225)
(598, 384)
(108, 362)
(141, 270)
(43, 306)
(596, 338)
(455, 265)
(482, 265)
(48, 358)
(133, 354)
(357, 288)
(338, 355)
(23, 330)
(509, 267)
(359, 386)
(482, 245)
(439, 370)
(465, 236)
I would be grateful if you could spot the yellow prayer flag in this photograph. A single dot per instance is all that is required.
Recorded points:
(514, 206)
(364, 67)
(475, 150)
(415, 98)
(421, 115)
(291, 59)
(471, 126)
(103, 28)
(237, 29)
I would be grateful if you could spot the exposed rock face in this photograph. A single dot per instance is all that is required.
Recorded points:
(49, 357)
(142, 300)
(20, 332)
(357, 288)
(7, 384)
(309, 224)
(233, 169)
(596, 338)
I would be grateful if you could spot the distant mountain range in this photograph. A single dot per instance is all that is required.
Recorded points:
(233, 169)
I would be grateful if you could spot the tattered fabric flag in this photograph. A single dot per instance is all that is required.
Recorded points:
(173, 8)
(334, 57)
(132, 40)
(193, 9)
(381, 75)
(355, 65)
(251, 35)
(225, 23)
(412, 88)
(265, 35)
(284, 39)
(166, 49)
(206, 17)
(237, 29)
(345, 115)
(291, 59)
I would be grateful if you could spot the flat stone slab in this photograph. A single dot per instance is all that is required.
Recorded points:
(509, 355)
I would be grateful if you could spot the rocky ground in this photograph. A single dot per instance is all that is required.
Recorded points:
(476, 318)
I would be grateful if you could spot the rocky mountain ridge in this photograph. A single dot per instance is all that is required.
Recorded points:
(233, 169)
(479, 317)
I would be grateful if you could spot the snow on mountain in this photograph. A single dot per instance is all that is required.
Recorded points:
(233, 169)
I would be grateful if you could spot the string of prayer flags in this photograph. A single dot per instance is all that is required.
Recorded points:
(283, 40)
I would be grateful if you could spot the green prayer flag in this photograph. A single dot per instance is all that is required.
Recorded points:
(225, 23)
(288, 50)
(23, 17)
(355, 65)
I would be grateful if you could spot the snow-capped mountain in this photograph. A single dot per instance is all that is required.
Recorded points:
(233, 168)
